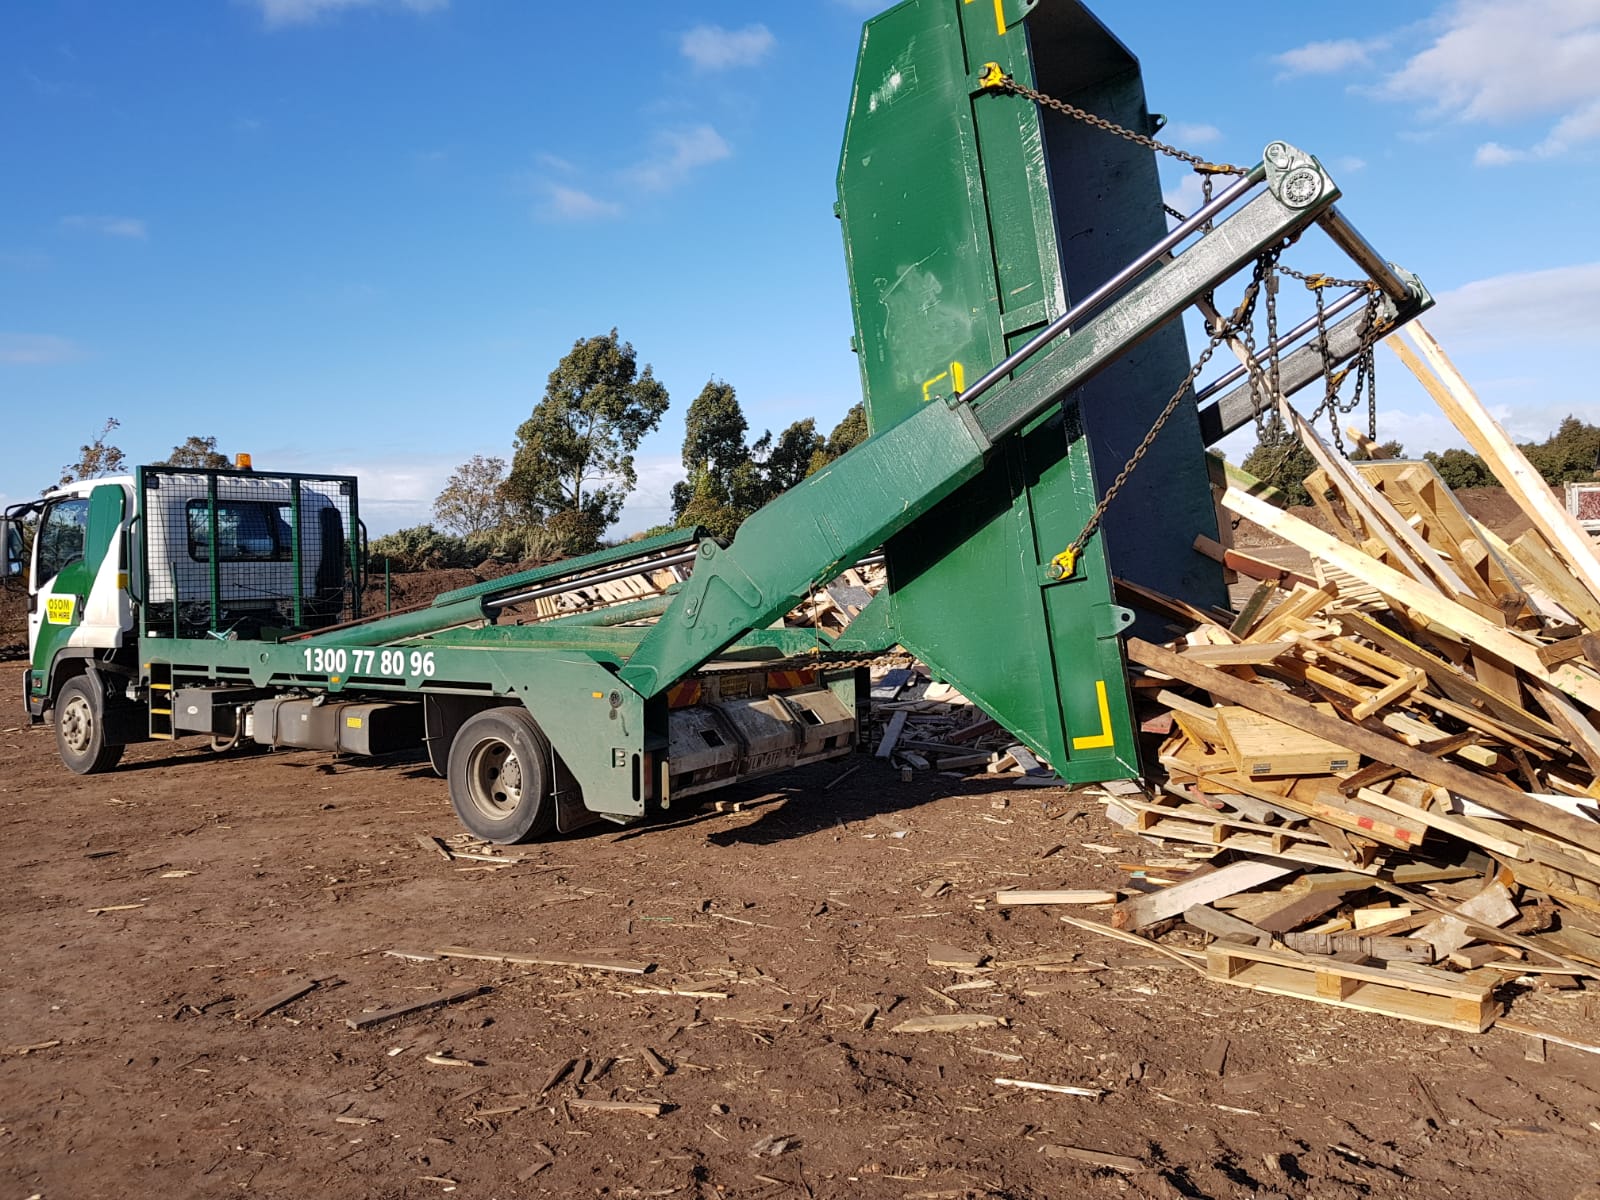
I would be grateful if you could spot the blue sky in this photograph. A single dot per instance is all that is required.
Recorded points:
(356, 235)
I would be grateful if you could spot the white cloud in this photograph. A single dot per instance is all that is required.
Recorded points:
(1349, 164)
(1185, 133)
(1327, 58)
(1186, 197)
(119, 227)
(1560, 305)
(677, 154)
(35, 349)
(574, 204)
(279, 14)
(713, 48)
(1498, 61)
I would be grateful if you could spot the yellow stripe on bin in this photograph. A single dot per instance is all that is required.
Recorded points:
(1104, 738)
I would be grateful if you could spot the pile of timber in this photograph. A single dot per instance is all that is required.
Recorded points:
(1392, 783)
(924, 725)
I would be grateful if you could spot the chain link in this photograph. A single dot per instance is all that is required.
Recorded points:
(1240, 325)
(1006, 83)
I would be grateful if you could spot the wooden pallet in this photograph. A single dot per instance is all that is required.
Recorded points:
(1437, 999)
(1186, 824)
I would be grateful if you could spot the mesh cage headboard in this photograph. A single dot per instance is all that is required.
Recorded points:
(226, 553)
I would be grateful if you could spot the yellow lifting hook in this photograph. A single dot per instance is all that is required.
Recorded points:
(992, 76)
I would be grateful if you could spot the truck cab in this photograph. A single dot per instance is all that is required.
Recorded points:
(169, 552)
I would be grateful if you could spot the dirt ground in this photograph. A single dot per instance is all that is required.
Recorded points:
(227, 881)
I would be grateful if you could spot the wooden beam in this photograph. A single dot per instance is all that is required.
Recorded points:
(1291, 710)
(1460, 403)
(369, 1019)
(1198, 889)
(1578, 684)
(1246, 564)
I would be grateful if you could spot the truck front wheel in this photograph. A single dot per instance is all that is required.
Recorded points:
(499, 775)
(80, 718)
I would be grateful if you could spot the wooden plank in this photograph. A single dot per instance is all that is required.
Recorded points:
(1532, 555)
(545, 960)
(1247, 654)
(273, 1003)
(1416, 491)
(1581, 732)
(1200, 889)
(948, 1023)
(1404, 544)
(1383, 697)
(1466, 1006)
(1261, 746)
(1586, 646)
(1477, 706)
(1014, 898)
(1492, 906)
(1224, 925)
(367, 1020)
(1293, 711)
(891, 735)
(1095, 1158)
(1255, 568)
(1297, 910)
(1443, 822)
(1251, 612)
(1559, 1040)
(1474, 422)
(1201, 716)
(1498, 640)
(1302, 603)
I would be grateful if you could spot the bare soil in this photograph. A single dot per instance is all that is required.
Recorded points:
(225, 881)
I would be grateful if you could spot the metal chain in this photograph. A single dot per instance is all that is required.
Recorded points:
(993, 78)
(1062, 565)
(1239, 325)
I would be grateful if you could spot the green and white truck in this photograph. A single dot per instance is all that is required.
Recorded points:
(1016, 290)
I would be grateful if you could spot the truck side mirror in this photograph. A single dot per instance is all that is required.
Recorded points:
(11, 564)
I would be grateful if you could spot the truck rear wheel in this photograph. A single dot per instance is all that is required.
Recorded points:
(499, 775)
(80, 717)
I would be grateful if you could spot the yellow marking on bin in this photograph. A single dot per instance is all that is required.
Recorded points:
(1104, 738)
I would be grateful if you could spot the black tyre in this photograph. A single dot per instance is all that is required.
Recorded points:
(80, 718)
(499, 775)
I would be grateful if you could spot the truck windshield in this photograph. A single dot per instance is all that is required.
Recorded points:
(61, 537)
(247, 531)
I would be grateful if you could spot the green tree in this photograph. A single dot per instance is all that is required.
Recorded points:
(96, 458)
(197, 452)
(473, 499)
(708, 506)
(1570, 454)
(727, 479)
(1281, 460)
(1389, 449)
(790, 459)
(574, 455)
(713, 448)
(1460, 468)
(851, 431)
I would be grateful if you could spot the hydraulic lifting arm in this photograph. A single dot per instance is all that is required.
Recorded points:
(894, 478)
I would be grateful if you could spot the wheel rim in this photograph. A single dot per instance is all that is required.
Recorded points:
(494, 779)
(76, 722)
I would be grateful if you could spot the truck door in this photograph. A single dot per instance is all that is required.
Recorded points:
(77, 590)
